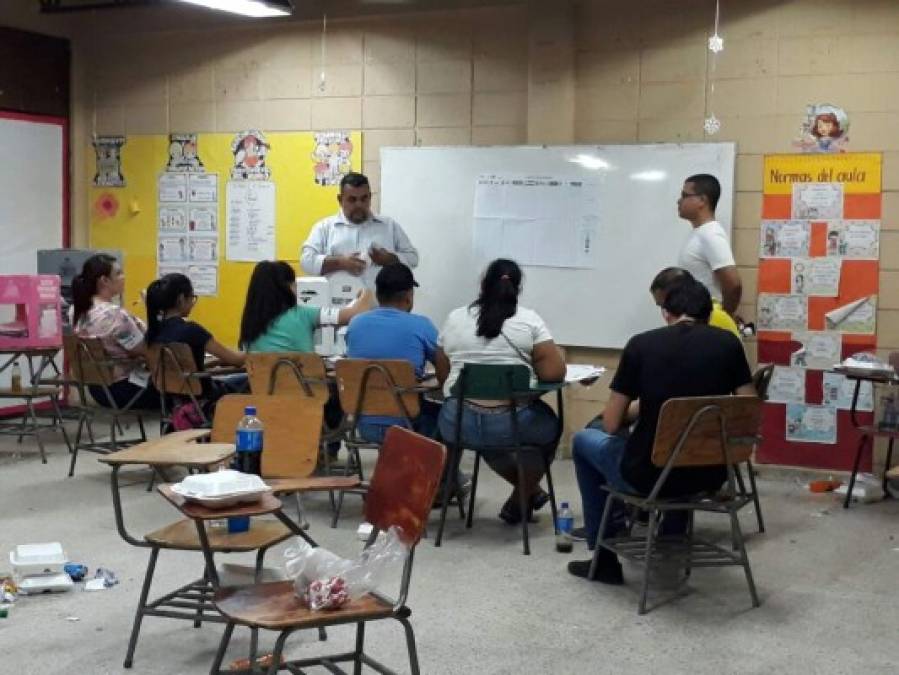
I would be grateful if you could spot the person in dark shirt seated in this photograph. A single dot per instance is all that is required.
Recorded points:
(170, 300)
(391, 331)
(685, 358)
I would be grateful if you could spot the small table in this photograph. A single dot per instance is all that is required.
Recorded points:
(40, 387)
(868, 431)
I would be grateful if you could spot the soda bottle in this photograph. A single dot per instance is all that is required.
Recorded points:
(15, 380)
(564, 526)
(248, 458)
(249, 443)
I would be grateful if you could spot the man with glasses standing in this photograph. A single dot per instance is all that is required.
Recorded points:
(707, 254)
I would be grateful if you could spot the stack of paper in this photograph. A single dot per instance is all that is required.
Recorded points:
(575, 372)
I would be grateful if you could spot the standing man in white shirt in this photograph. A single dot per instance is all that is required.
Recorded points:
(355, 240)
(707, 254)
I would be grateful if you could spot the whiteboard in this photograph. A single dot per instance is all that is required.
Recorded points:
(430, 192)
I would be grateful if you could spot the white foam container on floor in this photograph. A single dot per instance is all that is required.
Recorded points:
(45, 583)
(28, 559)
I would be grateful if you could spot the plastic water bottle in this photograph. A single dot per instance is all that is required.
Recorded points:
(564, 526)
(249, 443)
(249, 457)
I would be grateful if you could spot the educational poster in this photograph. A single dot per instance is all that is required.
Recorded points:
(173, 188)
(857, 317)
(184, 154)
(537, 221)
(332, 156)
(811, 423)
(817, 350)
(816, 276)
(854, 239)
(250, 220)
(817, 201)
(782, 312)
(108, 150)
(787, 385)
(818, 283)
(784, 238)
(187, 221)
(839, 390)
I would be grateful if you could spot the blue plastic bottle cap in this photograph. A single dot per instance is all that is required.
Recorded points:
(250, 410)
(564, 505)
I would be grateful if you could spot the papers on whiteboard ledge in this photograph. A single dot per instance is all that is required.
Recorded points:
(575, 372)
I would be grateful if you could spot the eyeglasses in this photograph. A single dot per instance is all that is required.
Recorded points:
(684, 195)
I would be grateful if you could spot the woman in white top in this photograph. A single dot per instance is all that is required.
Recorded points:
(494, 329)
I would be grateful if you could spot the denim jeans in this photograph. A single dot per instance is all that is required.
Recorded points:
(597, 462)
(425, 424)
(537, 425)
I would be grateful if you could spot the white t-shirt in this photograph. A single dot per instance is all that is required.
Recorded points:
(461, 343)
(707, 249)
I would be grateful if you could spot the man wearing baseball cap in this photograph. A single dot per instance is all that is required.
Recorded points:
(392, 331)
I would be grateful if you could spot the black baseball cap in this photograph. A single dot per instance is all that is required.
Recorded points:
(394, 278)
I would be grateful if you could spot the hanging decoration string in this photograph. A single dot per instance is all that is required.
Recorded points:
(321, 77)
(712, 124)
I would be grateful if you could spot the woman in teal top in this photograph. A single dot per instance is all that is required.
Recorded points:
(273, 321)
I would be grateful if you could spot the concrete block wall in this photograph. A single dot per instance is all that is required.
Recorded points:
(584, 71)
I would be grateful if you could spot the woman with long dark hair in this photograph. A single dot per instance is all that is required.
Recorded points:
(495, 329)
(273, 321)
(170, 300)
(95, 315)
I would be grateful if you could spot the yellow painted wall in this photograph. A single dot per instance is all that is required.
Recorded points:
(299, 203)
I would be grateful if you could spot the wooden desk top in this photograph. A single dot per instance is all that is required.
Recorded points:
(177, 449)
(268, 503)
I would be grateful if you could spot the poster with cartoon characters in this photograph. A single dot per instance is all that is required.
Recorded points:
(824, 130)
(109, 161)
(331, 156)
(249, 149)
(184, 155)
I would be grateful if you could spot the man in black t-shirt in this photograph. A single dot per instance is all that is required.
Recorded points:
(686, 358)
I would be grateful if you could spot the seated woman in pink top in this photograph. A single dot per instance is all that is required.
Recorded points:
(122, 334)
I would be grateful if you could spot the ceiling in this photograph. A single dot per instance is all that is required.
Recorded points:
(154, 15)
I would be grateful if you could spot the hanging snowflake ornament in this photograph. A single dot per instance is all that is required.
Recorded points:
(712, 125)
(716, 43)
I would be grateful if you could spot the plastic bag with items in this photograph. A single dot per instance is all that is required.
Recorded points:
(324, 580)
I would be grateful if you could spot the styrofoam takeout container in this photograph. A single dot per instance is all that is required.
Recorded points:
(221, 483)
(29, 559)
(221, 488)
(45, 583)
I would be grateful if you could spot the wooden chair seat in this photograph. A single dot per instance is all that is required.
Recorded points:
(182, 535)
(313, 484)
(276, 606)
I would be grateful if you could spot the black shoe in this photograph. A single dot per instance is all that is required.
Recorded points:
(539, 499)
(511, 513)
(579, 534)
(608, 571)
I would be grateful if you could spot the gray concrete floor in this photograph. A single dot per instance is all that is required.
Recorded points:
(826, 578)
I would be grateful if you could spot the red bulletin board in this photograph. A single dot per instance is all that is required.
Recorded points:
(856, 178)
